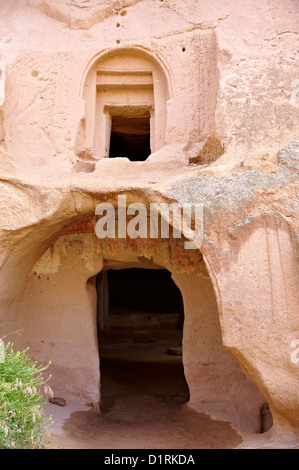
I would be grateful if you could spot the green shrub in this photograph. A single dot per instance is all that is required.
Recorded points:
(21, 419)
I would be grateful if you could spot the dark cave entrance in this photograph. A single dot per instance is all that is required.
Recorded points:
(130, 137)
(140, 319)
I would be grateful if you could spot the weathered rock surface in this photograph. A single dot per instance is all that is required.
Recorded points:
(228, 137)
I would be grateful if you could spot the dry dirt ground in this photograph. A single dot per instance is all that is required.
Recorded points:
(143, 406)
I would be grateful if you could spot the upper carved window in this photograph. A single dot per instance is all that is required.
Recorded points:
(125, 94)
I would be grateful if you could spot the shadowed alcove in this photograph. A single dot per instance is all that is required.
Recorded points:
(108, 335)
(140, 319)
(125, 94)
(130, 134)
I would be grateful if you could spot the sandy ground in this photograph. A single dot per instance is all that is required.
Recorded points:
(143, 406)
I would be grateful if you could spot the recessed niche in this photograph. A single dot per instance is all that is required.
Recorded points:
(128, 115)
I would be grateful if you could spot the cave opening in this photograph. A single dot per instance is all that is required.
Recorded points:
(140, 317)
(130, 137)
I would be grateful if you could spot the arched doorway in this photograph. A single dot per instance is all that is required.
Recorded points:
(140, 326)
(125, 93)
(59, 312)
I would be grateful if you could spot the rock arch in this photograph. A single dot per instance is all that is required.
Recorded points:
(58, 317)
